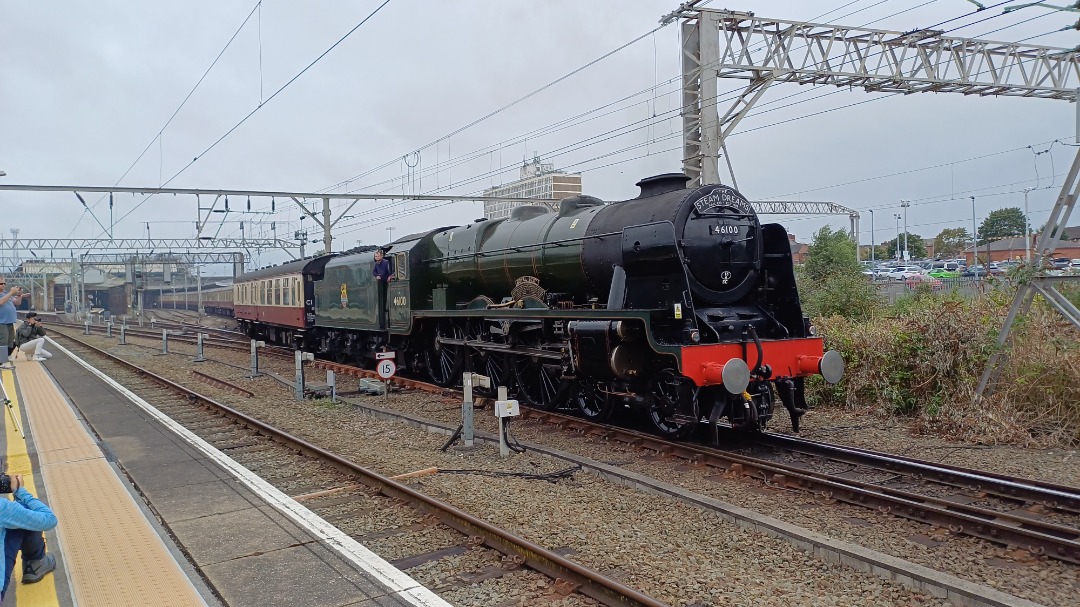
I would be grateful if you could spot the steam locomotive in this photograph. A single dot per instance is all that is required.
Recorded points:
(678, 303)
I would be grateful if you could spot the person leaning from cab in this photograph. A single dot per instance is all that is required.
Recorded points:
(382, 270)
(8, 317)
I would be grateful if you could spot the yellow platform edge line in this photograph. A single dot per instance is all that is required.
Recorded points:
(42, 594)
(165, 585)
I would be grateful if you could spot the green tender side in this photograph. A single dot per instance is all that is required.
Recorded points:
(346, 296)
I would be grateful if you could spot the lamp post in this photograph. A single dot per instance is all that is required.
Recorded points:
(872, 246)
(1027, 227)
(391, 234)
(896, 216)
(907, 252)
(974, 236)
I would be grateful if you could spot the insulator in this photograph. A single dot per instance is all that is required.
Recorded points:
(249, 205)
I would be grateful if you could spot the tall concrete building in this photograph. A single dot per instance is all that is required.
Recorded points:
(538, 180)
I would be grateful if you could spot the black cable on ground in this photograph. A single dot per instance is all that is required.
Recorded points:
(453, 438)
(550, 477)
(512, 442)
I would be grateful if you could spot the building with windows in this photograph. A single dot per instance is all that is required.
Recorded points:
(538, 180)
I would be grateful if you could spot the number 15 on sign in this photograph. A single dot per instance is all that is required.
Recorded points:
(386, 369)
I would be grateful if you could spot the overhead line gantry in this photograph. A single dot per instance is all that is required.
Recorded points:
(731, 44)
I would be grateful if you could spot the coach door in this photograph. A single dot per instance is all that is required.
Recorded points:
(398, 296)
(308, 288)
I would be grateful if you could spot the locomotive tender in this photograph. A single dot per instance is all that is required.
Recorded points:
(678, 303)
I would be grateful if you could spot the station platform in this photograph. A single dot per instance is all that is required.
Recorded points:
(149, 514)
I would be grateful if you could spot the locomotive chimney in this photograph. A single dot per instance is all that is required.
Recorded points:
(661, 184)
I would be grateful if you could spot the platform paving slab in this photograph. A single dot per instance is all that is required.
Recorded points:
(249, 552)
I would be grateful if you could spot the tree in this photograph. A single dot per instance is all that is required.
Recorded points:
(915, 246)
(1001, 224)
(832, 252)
(951, 242)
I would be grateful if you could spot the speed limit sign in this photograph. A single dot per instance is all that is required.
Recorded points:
(386, 369)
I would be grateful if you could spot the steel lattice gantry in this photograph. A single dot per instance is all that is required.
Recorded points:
(323, 219)
(729, 44)
(133, 244)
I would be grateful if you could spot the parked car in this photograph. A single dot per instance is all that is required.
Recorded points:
(953, 272)
(904, 272)
(1060, 262)
(923, 279)
(945, 266)
(981, 271)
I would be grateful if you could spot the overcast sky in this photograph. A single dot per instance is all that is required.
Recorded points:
(86, 86)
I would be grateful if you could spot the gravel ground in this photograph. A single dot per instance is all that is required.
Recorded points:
(894, 435)
(685, 555)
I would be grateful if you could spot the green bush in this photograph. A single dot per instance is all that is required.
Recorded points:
(842, 294)
(923, 358)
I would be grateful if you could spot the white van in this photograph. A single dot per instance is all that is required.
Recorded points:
(946, 266)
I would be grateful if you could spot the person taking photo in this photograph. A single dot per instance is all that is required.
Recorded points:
(30, 338)
(8, 317)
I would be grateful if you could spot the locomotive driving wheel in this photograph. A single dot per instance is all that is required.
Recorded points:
(593, 400)
(538, 377)
(445, 360)
(674, 410)
(492, 363)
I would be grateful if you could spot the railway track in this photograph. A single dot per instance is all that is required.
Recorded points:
(347, 494)
(172, 325)
(184, 333)
(1041, 518)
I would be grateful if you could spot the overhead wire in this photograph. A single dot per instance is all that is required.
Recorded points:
(507, 106)
(157, 137)
(564, 77)
(460, 160)
(263, 104)
(817, 86)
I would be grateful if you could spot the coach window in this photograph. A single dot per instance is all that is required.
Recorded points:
(298, 299)
(288, 292)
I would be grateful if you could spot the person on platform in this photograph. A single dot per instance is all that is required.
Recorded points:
(30, 338)
(22, 523)
(8, 301)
